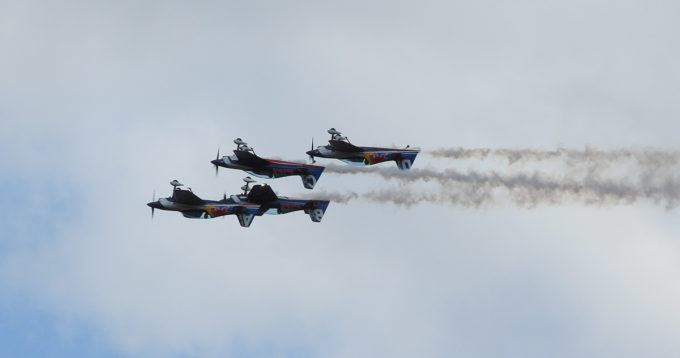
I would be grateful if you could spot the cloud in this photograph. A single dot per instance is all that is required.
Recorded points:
(107, 102)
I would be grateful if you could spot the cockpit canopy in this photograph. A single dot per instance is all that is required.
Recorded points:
(337, 135)
(243, 146)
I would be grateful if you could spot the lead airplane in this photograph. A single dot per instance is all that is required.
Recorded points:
(191, 206)
(256, 202)
(339, 147)
(245, 159)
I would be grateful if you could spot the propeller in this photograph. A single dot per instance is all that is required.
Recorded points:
(217, 158)
(311, 157)
(152, 200)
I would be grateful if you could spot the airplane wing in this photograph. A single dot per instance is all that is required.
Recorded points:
(345, 147)
(250, 159)
(186, 197)
(261, 194)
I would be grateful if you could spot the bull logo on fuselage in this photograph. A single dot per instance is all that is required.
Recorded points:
(372, 158)
(216, 211)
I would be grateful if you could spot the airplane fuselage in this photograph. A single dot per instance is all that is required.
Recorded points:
(260, 200)
(207, 210)
(270, 168)
(369, 155)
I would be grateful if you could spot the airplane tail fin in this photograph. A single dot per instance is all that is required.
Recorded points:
(310, 178)
(406, 160)
(316, 209)
(246, 216)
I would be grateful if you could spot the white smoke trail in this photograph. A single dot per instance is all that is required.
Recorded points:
(645, 157)
(474, 189)
(334, 196)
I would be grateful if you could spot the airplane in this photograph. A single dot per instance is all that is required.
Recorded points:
(191, 206)
(256, 202)
(245, 159)
(339, 147)
(270, 203)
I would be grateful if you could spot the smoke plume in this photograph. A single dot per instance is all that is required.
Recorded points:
(645, 157)
(476, 189)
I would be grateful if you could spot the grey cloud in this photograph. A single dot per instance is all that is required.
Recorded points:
(119, 98)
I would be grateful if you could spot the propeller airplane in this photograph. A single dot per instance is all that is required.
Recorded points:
(339, 147)
(245, 159)
(191, 206)
(257, 201)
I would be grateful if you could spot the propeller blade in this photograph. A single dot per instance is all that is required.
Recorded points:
(217, 158)
(311, 157)
(153, 198)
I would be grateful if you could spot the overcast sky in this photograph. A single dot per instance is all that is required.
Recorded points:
(101, 103)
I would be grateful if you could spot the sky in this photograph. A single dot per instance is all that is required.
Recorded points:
(103, 103)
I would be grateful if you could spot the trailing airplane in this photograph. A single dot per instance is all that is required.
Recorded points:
(256, 202)
(245, 159)
(270, 203)
(339, 147)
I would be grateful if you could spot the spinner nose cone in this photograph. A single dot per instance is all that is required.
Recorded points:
(155, 205)
(216, 161)
(312, 152)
